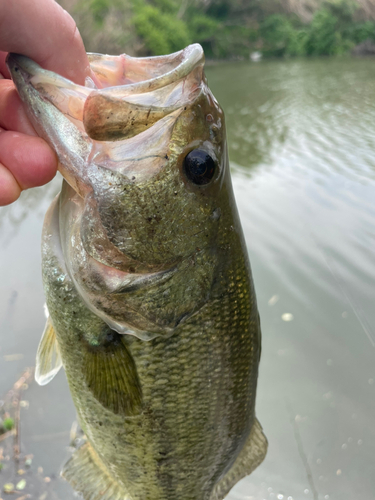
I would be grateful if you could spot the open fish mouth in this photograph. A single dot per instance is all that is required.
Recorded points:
(121, 120)
(126, 95)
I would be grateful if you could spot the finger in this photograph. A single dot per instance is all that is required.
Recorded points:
(29, 159)
(9, 187)
(12, 113)
(46, 33)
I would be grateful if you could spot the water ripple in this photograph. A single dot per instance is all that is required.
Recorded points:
(302, 147)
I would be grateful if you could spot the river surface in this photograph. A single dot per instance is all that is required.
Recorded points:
(302, 148)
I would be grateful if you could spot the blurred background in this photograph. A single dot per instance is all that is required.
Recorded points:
(300, 114)
(227, 29)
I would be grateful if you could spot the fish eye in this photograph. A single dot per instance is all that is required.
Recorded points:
(199, 167)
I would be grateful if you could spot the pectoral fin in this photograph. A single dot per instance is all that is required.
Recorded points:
(48, 358)
(251, 455)
(89, 476)
(112, 377)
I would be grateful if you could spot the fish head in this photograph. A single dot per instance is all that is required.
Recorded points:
(147, 204)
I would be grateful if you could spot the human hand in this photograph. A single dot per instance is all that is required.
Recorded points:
(45, 32)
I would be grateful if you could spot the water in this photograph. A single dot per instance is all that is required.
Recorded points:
(302, 149)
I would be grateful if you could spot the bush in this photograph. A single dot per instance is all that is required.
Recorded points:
(232, 42)
(105, 25)
(360, 32)
(161, 32)
(99, 10)
(332, 31)
(297, 43)
(277, 33)
(323, 38)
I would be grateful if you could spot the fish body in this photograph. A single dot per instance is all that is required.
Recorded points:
(152, 307)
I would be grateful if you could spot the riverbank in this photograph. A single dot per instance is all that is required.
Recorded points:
(226, 29)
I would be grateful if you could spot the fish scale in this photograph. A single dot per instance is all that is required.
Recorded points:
(172, 382)
(152, 307)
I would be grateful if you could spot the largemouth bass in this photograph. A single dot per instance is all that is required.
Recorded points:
(152, 307)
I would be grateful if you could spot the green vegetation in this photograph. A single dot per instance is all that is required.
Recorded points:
(225, 28)
(8, 424)
(333, 30)
(160, 28)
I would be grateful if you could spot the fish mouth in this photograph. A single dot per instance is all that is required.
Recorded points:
(145, 90)
(121, 120)
(125, 96)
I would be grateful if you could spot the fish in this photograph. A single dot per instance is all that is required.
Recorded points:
(152, 307)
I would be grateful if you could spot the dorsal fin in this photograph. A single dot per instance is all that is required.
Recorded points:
(48, 358)
(111, 375)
